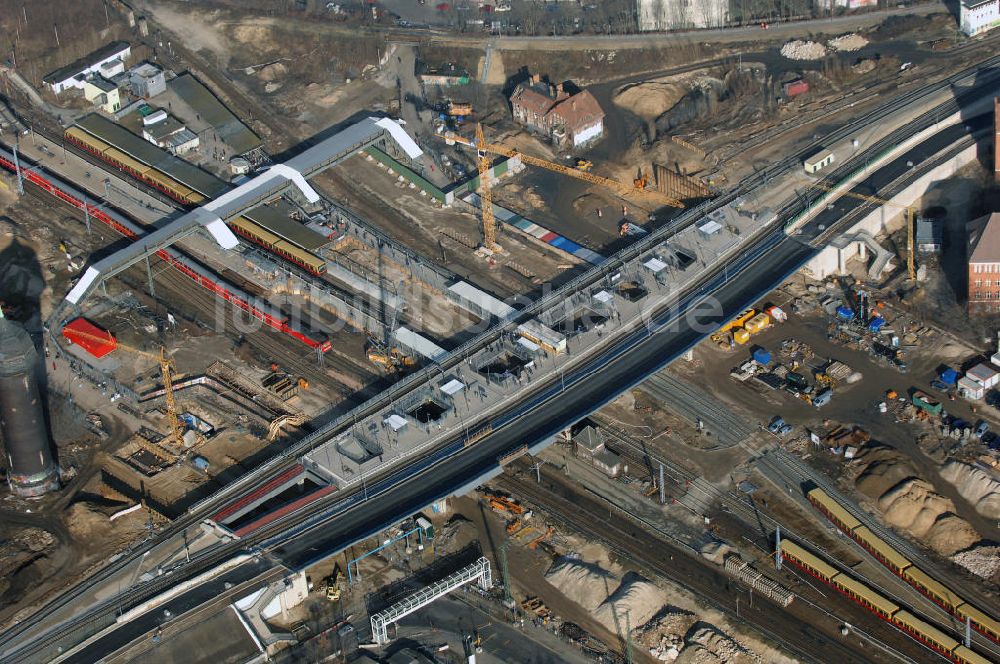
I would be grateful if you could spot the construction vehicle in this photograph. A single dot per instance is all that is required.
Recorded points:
(515, 526)
(484, 149)
(584, 165)
(641, 181)
(388, 358)
(533, 544)
(333, 584)
(503, 505)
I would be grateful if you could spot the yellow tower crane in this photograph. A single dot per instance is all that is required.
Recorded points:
(484, 149)
(166, 369)
(909, 218)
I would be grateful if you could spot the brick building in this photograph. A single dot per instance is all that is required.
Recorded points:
(984, 264)
(569, 120)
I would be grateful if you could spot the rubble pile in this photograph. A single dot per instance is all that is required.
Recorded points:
(803, 50)
(707, 645)
(983, 561)
(863, 66)
(848, 42)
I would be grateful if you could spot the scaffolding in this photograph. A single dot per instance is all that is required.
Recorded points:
(478, 571)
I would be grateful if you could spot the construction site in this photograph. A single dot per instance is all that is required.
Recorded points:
(226, 235)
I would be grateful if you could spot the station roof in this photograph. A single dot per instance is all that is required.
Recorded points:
(142, 150)
(234, 133)
(275, 219)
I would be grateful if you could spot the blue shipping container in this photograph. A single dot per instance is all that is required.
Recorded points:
(762, 357)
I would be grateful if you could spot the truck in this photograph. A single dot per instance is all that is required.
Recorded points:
(926, 403)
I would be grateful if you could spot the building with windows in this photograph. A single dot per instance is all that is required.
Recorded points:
(984, 264)
(976, 16)
(569, 119)
(147, 80)
(102, 93)
(654, 15)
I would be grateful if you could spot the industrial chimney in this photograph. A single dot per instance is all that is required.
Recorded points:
(32, 471)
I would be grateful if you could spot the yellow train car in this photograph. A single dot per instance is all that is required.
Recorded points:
(936, 590)
(865, 596)
(833, 509)
(194, 198)
(926, 632)
(247, 228)
(309, 261)
(125, 162)
(891, 558)
(168, 185)
(981, 620)
(89, 143)
(807, 560)
(963, 655)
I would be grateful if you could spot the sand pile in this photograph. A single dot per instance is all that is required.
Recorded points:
(976, 486)
(272, 72)
(635, 602)
(651, 99)
(803, 50)
(849, 42)
(707, 645)
(914, 506)
(586, 584)
(983, 561)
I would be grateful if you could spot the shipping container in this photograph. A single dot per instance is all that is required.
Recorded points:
(984, 374)
(796, 87)
(741, 336)
(924, 402)
(758, 323)
(818, 161)
(762, 357)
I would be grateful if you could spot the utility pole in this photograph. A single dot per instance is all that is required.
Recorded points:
(505, 570)
(663, 489)
(17, 169)
(777, 548)
(538, 470)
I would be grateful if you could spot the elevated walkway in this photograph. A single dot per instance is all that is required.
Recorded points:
(252, 193)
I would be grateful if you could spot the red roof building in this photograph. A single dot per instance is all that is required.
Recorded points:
(89, 337)
(984, 264)
(570, 120)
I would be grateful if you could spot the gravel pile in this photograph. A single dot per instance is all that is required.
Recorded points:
(803, 50)
(635, 601)
(849, 42)
(584, 583)
(976, 486)
(983, 561)
(707, 645)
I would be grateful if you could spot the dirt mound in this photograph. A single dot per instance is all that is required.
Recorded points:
(951, 533)
(584, 583)
(976, 486)
(635, 602)
(849, 42)
(272, 72)
(914, 506)
(258, 35)
(651, 99)
(87, 525)
(885, 468)
(803, 50)
(981, 560)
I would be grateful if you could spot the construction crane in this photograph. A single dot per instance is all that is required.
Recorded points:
(166, 369)
(484, 149)
(909, 218)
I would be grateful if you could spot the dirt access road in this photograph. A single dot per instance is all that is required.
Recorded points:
(790, 30)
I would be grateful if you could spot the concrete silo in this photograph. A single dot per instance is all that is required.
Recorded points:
(32, 470)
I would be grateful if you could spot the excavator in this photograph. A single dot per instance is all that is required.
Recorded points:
(386, 357)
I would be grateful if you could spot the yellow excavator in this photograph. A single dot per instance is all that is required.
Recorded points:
(387, 358)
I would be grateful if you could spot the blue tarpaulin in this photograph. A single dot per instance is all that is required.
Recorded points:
(875, 324)
(845, 312)
(949, 376)
(762, 356)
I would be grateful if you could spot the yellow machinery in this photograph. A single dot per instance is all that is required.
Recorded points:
(389, 359)
(483, 149)
(533, 544)
(909, 218)
(584, 165)
(166, 369)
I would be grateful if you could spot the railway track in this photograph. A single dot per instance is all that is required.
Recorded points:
(694, 404)
(662, 556)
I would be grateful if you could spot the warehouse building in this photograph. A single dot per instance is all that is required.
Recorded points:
(569, 119)
(108, 61)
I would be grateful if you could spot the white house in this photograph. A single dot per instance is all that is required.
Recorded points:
(107, 61)
(975, 17)
(103, 93)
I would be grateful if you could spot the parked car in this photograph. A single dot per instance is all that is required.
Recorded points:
(779, 427)
(940, 385)
(982, 428)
